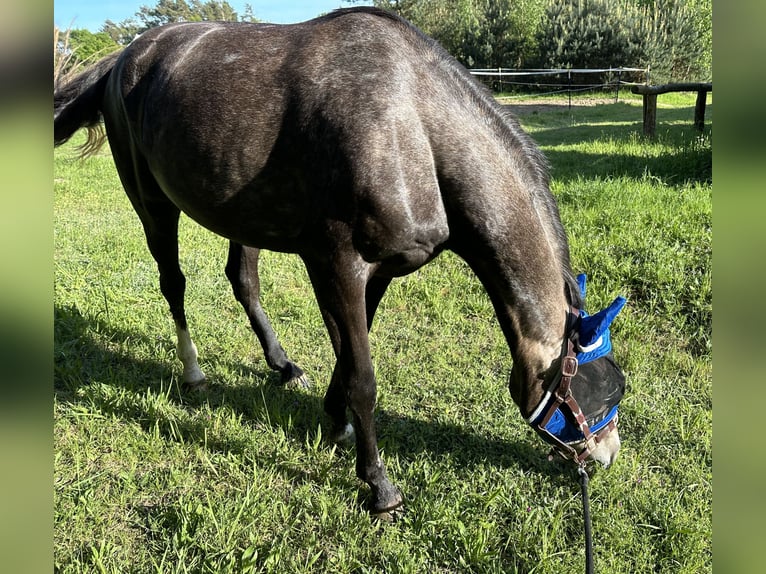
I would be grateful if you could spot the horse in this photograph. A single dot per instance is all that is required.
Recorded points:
(358, 143)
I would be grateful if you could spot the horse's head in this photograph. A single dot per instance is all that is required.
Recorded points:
(578, 413)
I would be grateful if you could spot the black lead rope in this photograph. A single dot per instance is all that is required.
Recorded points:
(586, 513)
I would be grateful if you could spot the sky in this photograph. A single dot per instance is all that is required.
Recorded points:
(91, 14)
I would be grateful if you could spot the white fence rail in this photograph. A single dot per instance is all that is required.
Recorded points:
(501, 77)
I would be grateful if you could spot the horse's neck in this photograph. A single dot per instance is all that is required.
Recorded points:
(534, 364)
(511, 235)
(533, 323)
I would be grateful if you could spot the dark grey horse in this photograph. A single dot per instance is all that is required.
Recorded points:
(358, 143)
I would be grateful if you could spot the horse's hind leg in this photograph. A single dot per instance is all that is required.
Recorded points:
(161, 230)
(159, 217)
(242, 272)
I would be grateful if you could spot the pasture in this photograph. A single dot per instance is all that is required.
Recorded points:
(150, 479)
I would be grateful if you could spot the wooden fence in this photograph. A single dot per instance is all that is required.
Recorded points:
(650, 102)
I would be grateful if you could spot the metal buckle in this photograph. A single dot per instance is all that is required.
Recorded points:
(569, 366)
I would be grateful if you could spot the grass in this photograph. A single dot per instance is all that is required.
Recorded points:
(148, 479)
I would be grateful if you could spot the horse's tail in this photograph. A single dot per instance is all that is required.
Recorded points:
(77, 104)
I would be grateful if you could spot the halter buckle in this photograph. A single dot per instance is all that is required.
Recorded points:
(569, 366)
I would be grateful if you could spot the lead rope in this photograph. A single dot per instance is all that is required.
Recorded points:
(586, 513)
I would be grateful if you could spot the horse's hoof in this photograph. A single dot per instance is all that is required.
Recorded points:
(390, 516)
(301, 382)
(293, 376)
(194, 378)
(386, 503)
(198, 386)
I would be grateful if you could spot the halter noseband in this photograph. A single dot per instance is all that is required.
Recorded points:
(549, 420)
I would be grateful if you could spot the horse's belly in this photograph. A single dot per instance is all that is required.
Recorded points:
(266, 215)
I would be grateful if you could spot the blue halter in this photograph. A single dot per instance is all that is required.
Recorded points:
(548, 419)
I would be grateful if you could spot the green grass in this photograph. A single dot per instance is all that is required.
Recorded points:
(148, 479)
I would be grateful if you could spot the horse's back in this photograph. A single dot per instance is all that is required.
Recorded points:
(264, 133)
(280, 127)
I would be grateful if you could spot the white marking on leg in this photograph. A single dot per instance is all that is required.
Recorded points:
(347, 435)
(187, 353)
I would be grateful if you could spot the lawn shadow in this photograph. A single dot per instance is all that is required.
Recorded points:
(89, 350)
(614, 117)
(689, 160)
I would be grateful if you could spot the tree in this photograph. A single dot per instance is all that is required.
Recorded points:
(122, 33)
(587, 34)
(672, 37)
(73, 49)
(169, 11)
(479, 33)
(677, 40)
(508, 31)
(86, 45)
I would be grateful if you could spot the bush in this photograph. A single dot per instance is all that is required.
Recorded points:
(586, 34)
(677, 40)
(671, 37)
(478, 33)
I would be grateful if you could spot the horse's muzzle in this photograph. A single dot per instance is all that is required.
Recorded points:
(605, 452)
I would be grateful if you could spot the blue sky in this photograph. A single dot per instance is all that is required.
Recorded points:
(91, 14)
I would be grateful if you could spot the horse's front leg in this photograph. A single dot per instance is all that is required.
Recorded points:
(335, 398)
(341, 296)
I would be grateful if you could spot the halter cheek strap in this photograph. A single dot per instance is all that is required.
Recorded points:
(551, 423)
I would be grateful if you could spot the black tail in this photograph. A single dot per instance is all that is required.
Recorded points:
(77, 103)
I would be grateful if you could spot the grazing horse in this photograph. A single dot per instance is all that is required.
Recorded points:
(358, 143)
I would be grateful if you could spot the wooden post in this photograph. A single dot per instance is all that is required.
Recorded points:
(617, 89)
(650, 114)
(650, 101)
(699, 110)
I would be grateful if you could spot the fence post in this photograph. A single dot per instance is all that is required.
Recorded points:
(650, 114)
(617, 90)
(699, 110)
(569, 88)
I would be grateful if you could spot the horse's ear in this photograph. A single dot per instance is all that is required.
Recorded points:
(581, 283)
(593, 326)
